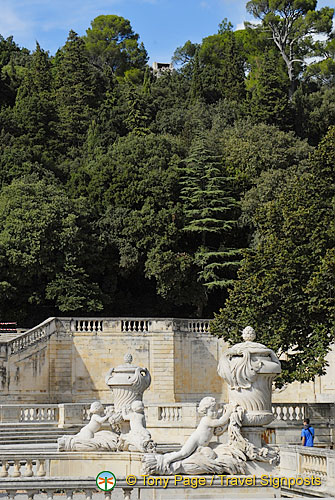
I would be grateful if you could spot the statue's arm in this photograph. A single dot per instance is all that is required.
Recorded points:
(101, 420)
(217, 422)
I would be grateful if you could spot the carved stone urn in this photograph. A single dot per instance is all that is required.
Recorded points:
(128, 383)
(249, 369)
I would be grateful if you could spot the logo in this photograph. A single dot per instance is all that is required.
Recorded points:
(105, 480)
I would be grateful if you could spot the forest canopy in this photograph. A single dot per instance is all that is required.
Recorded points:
(200, 191)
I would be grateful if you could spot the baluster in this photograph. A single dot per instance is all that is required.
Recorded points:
(127, 493)
(16, 471)
(294, 413)
(69, 494)
(50, 494)
(88, 495)
(4, 469)
(29, 469)
(41, 468)
(31, 494)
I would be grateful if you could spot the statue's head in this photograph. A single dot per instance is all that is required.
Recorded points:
(206, 404)
(96, 408)
(137, 406)
(248, 334)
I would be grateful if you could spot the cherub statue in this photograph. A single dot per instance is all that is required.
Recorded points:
(97, 419)
(204, 432)
(196, 445)
(90, 437)
(139, 438)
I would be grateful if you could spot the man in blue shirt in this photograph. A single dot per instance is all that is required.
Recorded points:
(307, 434)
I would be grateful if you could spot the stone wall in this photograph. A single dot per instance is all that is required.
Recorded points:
(66, 360)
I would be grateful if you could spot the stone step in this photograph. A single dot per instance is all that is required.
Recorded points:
(41, 431)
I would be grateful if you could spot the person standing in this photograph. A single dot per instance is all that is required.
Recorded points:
(307, 434)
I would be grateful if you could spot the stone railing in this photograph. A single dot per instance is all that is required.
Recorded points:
(288, 412)
(170, 413)
(55, 488)
(96, 326)
(85, 488)
(39, 333)
(74, 414)
(137, 325)
(297, 412)
(313, 464)
(24, 413)
(302, 461)
(12, 467)
(39, 413)
(78, 413)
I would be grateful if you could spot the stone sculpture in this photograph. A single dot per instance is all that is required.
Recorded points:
(249, 369)
(139, 438)
(127, 419)
(196, 456)
(90, 438)
(128, 384)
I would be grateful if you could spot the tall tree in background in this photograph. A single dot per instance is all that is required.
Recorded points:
(34, 110)
(269, 101)
(111, 41)
(210, 215)
(291, 24)
(75, 91)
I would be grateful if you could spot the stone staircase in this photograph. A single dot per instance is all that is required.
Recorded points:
(21, 433)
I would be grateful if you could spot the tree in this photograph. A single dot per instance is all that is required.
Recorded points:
(111, 41)
(210, 215)
(222, 64)
(285, 287)
(291, 23)
(34, 110)
(248, 151)
(185, 54)
(269, 101)
(75, 91)
(43, 254)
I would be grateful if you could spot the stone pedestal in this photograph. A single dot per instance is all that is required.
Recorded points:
(253, 434)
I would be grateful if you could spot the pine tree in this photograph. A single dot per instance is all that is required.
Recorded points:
(75, 94)
(211, 214)
(34, 109)
(269, 102)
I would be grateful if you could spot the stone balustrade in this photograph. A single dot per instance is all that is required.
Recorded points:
(96, 326)
(301, 461)
(78, 413)
(13, 466)
(289, 412)
(69, 488)
(297, 412)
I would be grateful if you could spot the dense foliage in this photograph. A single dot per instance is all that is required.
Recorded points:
(125, 192)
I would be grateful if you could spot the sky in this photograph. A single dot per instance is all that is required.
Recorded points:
(163, 25)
